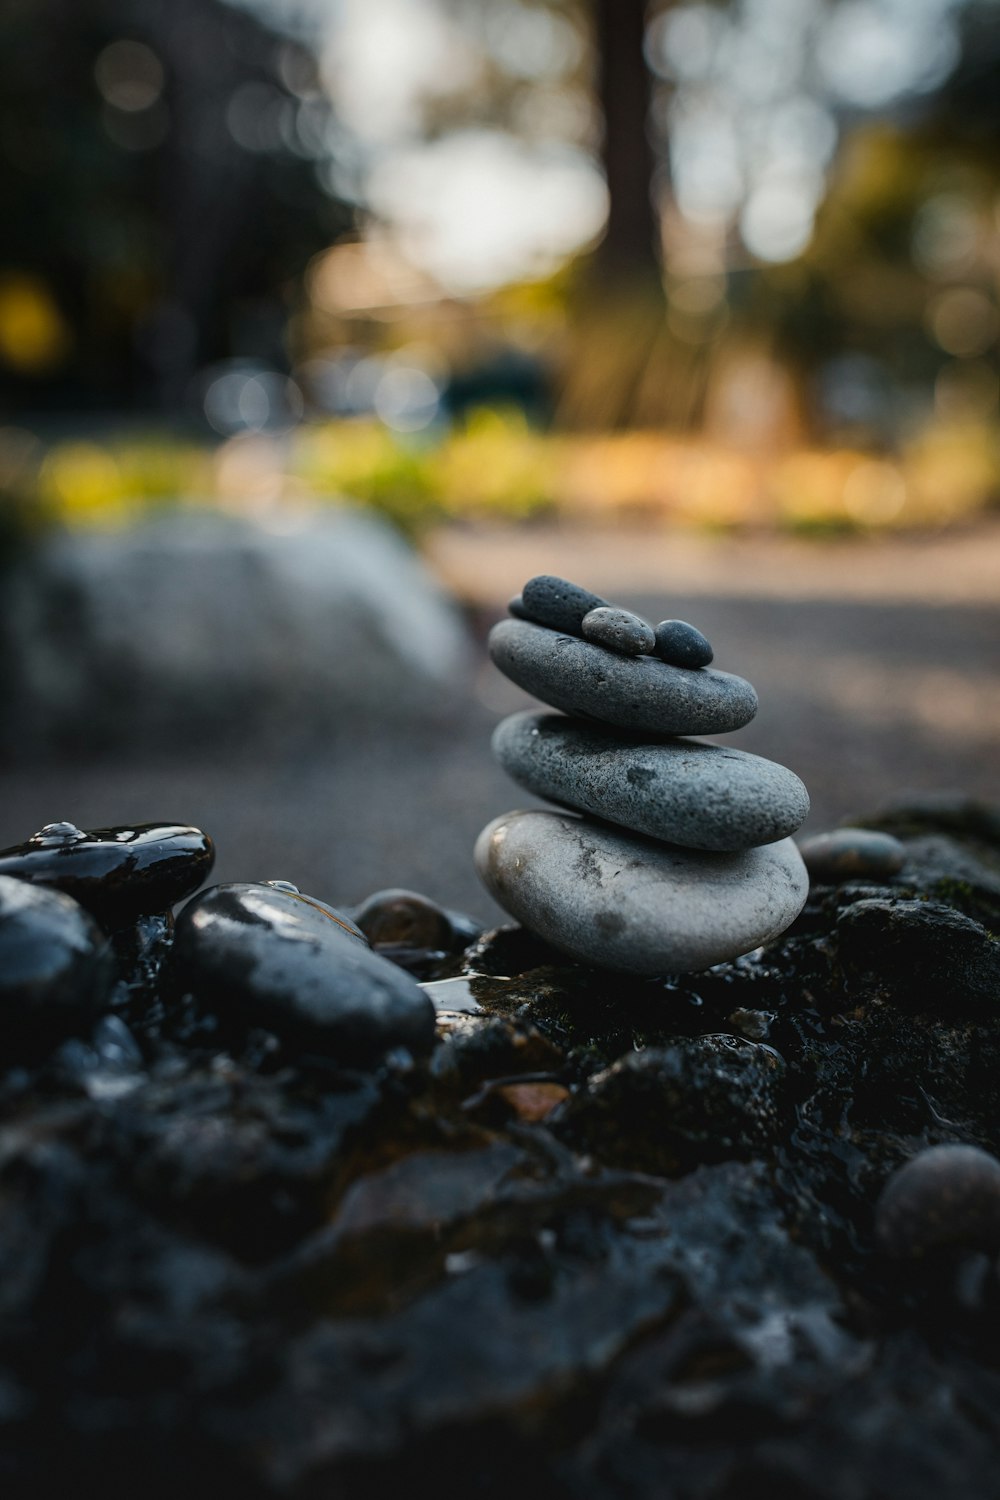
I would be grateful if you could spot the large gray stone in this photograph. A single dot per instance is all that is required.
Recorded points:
(701, 796)
(632, 692)
(200, 622)
(623, 902)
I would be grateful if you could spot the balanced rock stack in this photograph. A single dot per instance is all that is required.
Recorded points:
(677, 854)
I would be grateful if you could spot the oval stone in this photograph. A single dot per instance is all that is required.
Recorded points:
(291, 963)
(625, 903)
(557, 603)
(54, 959)
(852, 854)
(118, 874)
(631, 692)
(700, 796)
(618, 630)
(682, 645)
(945, 1195)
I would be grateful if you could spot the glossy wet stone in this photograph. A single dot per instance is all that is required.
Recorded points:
(288, 962)
(637, 693)
(682, 645)
(852, 854)
(701, 796)
(626, 903)
(557, 603)
(398, 918)
(618, 630)
(54, 959)
(118, 874)
(946, 1195)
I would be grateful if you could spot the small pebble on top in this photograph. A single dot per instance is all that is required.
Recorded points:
(680, 645)
(558, 604)
(516, 608)
(619, 630)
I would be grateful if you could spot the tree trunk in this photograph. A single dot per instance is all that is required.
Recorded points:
(630, 246)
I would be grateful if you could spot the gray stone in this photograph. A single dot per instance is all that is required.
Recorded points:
(623, 902)
(631, 692)
(289, 962)
(945, 1195)
(194, 621)
(701, 796)
(852, 854)
(619, 630)
(557, 603)
(516, 608)
(682, 645)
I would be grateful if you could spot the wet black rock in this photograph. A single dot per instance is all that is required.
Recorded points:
(272, 957)
(705, 1099)
(557, 603)
(54, 961)
(947, 1195)
(923, 953)
(118, 874)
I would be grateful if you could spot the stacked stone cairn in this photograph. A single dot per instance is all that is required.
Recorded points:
(674, 855)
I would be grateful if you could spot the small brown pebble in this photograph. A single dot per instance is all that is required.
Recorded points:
(533, 1102)
(946, 1195)
(403, 919)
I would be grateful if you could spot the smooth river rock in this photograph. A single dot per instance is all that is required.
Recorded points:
(682, 645)
(118, 874)
(701, 796)
(291, 963)
(631, 692)
(622, 902)
(54, 959)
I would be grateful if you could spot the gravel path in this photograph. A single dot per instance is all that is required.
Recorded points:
(882, 688)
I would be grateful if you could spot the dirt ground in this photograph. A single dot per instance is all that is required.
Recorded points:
(877, 665)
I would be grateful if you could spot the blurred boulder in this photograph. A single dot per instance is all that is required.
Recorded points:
(199, 622)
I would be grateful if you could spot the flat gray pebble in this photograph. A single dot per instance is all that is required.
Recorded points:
(630, 692)
(619, 630)
(852, 854)
(700, 796)
(557, 603)
(625, 903)
(681, 645)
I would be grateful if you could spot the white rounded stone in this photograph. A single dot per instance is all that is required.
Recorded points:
(623, 902)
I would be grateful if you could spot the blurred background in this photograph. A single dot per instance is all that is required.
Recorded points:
(326, 323)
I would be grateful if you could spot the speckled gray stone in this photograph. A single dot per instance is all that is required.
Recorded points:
(557, 603)
(631, 692)
(618, 630)
(622, 902)
(852, 854)
(701, 796)
(682, 645)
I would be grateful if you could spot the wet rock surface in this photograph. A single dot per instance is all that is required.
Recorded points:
(610, 1237)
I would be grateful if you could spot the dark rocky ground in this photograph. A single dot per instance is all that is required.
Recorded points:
(611, 1238)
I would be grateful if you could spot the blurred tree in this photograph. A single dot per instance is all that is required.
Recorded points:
(159, 170)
